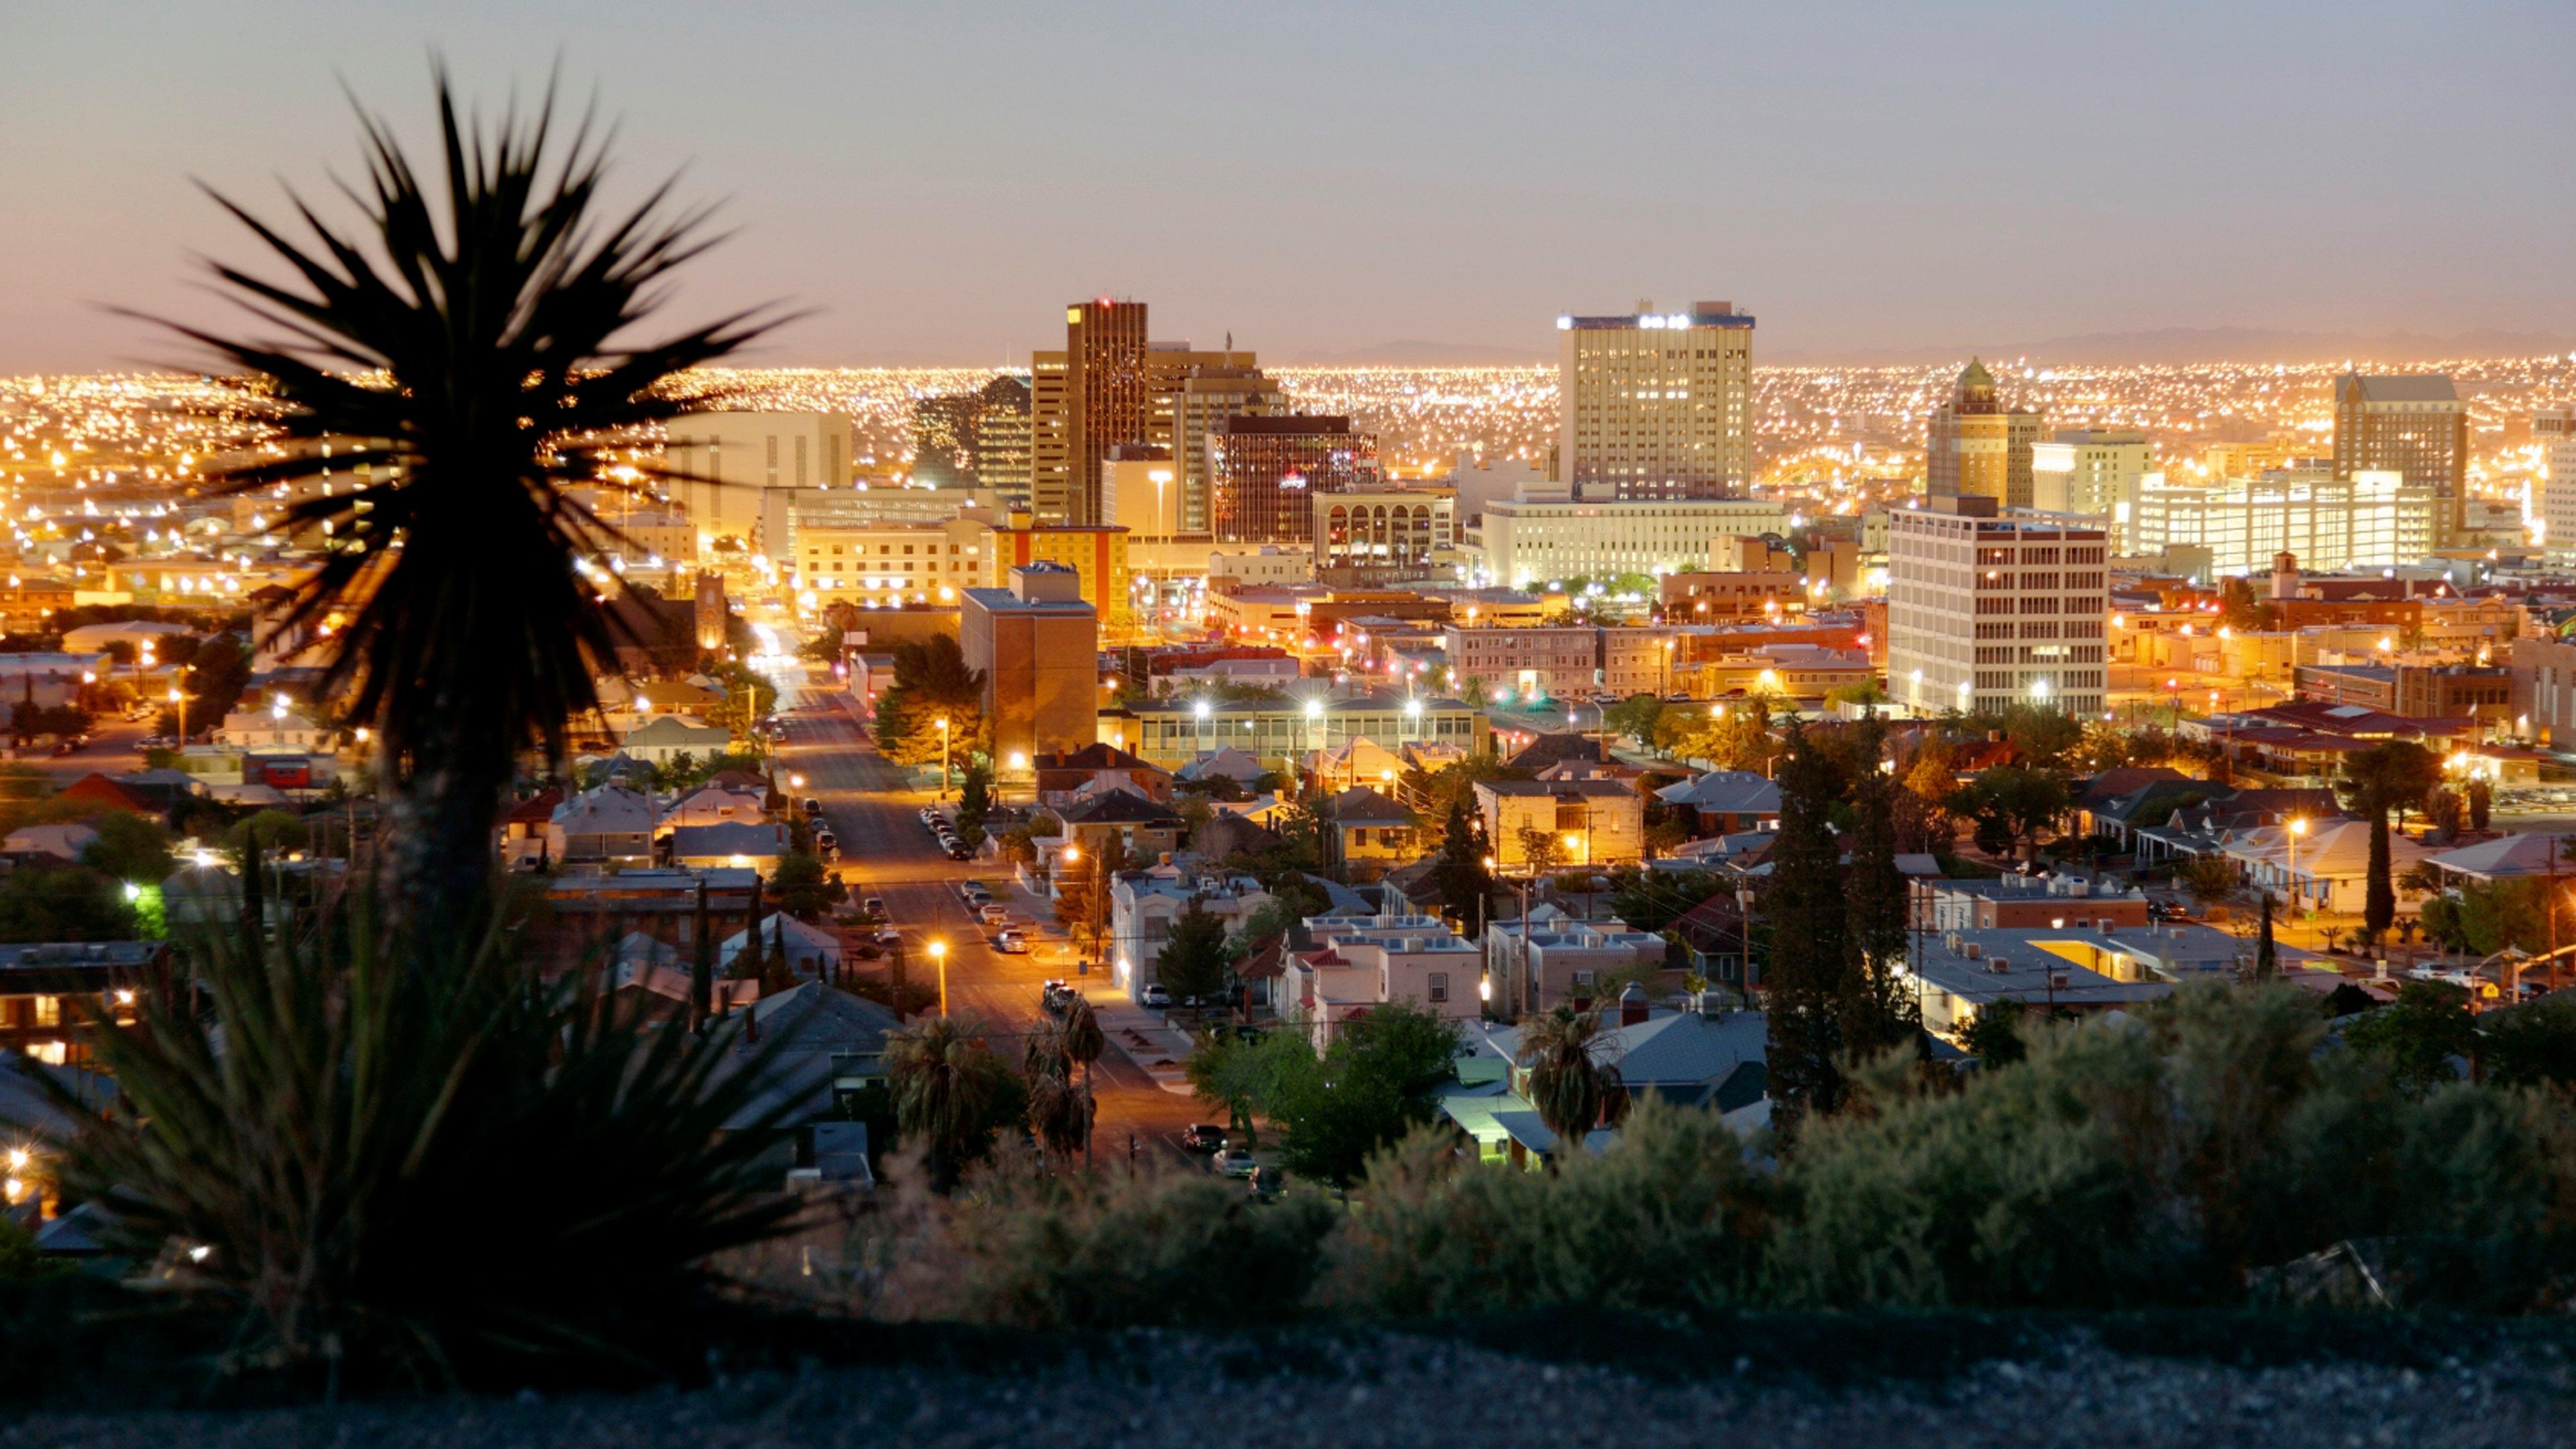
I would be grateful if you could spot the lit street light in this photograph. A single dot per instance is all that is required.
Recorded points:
(939, 956)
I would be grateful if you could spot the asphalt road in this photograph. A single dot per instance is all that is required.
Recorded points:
(886, 852)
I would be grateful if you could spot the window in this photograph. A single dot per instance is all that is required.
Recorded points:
(1439, 989)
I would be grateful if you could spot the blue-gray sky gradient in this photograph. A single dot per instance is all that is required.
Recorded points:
(936, 180)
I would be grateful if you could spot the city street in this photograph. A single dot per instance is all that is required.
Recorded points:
(886, 852)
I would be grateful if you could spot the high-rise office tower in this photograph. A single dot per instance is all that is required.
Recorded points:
(1200, 404)
(1656, 405)
(1002, 437)
(1268, 470)
(1093, 396)
(1976, 447)
(2552, 509)
(2093, 471)
(958, 437)
(725, 463)
(2412, 425)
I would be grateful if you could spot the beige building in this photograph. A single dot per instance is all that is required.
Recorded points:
(1038, 645)
(1656, 405)
(1561, 662)
(1394, 529)
(2096, 472)
(1986, 611)
(1539, 540)
(1593, 822)
(1976, 447)
(2373, 520)
(1199, 401)
(889, 564)
(726, 463)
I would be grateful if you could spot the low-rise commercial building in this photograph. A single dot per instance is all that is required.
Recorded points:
(1037, 643)
(1576, 822)
(1172, 733)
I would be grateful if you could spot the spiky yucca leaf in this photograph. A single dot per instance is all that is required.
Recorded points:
(417, 1158)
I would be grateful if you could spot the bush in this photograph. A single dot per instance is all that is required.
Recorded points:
(1115, 1250)
(1670, 1217)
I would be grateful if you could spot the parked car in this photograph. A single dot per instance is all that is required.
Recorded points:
(1011, 943)
(813, 806)
(1203, 1137)
(827, 840)
(959, 852)
(1233, 1162)
(1155, 996)
(1269, 1181)
(873, 908)
(994, 913)
(887, 936)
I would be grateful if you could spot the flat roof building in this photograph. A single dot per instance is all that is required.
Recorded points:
(1655, 404)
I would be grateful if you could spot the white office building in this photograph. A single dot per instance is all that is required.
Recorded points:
(2096, 472)
(1656, 404)
(1540, 538)
(1986, 610)
(2371, 520)
(728, 462)
(2552, 512)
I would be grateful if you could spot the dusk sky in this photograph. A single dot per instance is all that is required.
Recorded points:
(936, 181)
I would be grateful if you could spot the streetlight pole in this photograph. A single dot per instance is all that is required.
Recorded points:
(943, 764)
(939, 957)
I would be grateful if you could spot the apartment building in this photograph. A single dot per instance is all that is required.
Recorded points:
(1986, 610)
(1361, 962)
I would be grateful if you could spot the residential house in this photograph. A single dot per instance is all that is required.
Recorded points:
(1706, 1056)
(1371, 830)
(1229, 762)
(1593, 822)
(1144, 903)
(64, 841)
(1726, 802)
(810, 950)
(49, 990)
(523, 830)
(273, 731)
(607, 826)
(711, 805)
(1134, 824)
(1361, 962)
(1553, 959)
(666, 738)
(2026, 901)
(1096, 768)
(2507, 857)
(2323, 865)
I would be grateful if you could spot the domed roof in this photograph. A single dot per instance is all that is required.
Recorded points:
(1976, 376)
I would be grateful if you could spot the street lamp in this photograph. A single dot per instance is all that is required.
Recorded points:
(939, 957)
(2298, 827)
(943, 758)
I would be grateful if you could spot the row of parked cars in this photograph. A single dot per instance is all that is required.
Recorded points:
(826, 844)
(945, 833)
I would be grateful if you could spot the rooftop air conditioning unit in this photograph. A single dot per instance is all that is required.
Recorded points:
(1974, 951)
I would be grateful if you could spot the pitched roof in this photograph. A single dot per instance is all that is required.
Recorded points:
(1548, 749)
(1096, 756)
(1116, 807)
(1362, 806)
(1230, 762)
(670, 729)
(2113, 785)
(2507, 856)
(1726, 792)
(728, 837)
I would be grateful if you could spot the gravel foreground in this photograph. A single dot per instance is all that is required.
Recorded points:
(1186, 1393)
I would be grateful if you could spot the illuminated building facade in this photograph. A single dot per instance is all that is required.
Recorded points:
(1267, 470)
(1986, 611)
(1395, 529)
(2414, 426)
(1093, 396)
(1656, 405)
(2374, 520)
(1525, 541)
(1975, 447)
(727, 463)
(2096, 472)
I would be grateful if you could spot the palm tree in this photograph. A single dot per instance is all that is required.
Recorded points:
(1570, 1086)
(1083, 1043)
(2393, 775)
(944, 1081)
(454, 345)
(1058, 1114)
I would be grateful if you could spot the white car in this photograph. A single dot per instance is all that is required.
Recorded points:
(1011, 943)
(1156, 997)
(994, 913)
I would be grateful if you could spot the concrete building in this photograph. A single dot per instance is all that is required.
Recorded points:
(725, 464)
(2096, 472)
(1390, 530)
(1985, 610)
(2413, 691)
(1563, 662)
(2415, 426)
(1537, 540)
(1265, 471)
(977, 439)
(2554, 433)
(1096, 554)
(1699, 597)
(1143, 905)
(1975, 447)
(890, 563)
(1361, 962)
(1656, 405)
(1037, 643)
(2372, 520)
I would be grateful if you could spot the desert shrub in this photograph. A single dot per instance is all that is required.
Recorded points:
(403, 1159)
(1114, 1250)
(1670, 1217)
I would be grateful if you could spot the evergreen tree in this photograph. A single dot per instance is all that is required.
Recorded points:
(2267, 960)
(1192, 965)
(1465, 885)
(1808, 976)
(1881, 1012)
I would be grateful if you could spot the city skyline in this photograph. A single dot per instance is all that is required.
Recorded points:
(1450, 185)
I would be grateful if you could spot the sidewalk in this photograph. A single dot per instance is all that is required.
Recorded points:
(1157, 1050)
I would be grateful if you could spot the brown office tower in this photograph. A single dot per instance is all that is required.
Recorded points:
(1977, 448)
(1095, 395)
(1267, 471)
(2415, 426)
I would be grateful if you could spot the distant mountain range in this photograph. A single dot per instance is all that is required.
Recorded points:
(2162, 345)
(2209, 344)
